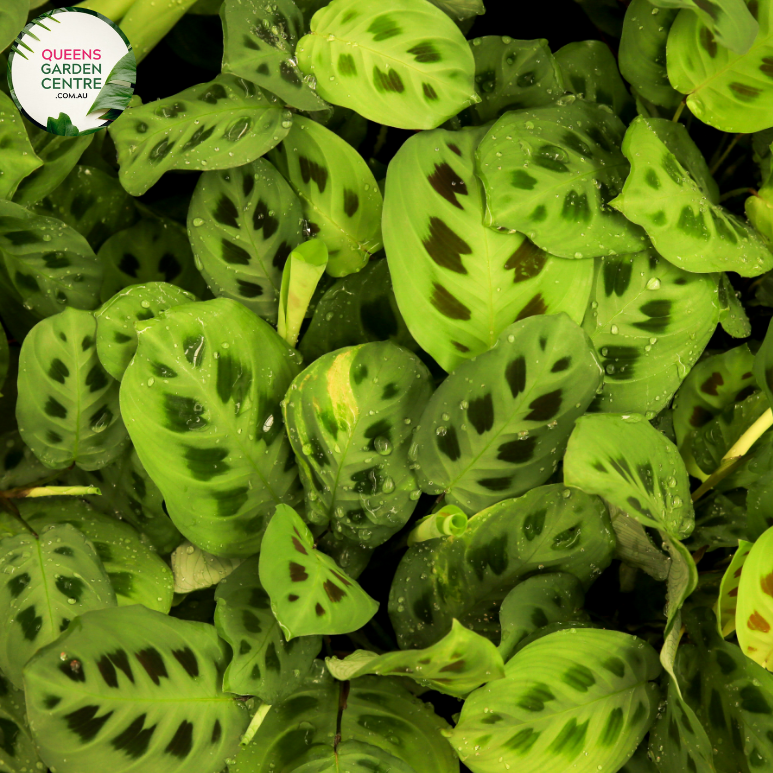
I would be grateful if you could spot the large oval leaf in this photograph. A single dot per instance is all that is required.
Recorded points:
(550, 172)
(580, 699)
(17, 752)
(129, 687)
(550, 529)
(322, 599)
(726, 90)
(497, 426)
(341, 200)
(243, 223)
(201, 403)
(216, 125)
(45, 264)
(754, 613)
(47, 581)
(459, 283)
(685, 226)
(649, 322)
(350, 417)
(19, 159)
(405, 65)
(264, 663)
(625, 460)
(68, 405)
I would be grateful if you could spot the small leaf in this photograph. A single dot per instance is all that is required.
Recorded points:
(118, 87)
(309, 593)
(62, 125)
(732, 315)
(727, 601)
(682, 581)
(635, 548)
(194, 569)
(19, 159)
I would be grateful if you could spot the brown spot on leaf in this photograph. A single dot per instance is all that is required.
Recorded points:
(448, 184)
(526, 262)
(297, 545)
(457, 665)
(334, 593)
(535, 306)
(700, 416)
(709, 386)
(297, 572)
(445, 246)
(766, 583)
(757, 622)
(454, 148)
(733, 592)
(447, 304)
(341, 578)
(293, 597)
(319, 609)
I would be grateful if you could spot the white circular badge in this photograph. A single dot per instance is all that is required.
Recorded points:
(71, 71)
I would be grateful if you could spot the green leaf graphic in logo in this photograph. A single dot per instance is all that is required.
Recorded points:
(62, 126)
(118, 88)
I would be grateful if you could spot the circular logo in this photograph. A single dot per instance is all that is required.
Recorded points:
(71, 71)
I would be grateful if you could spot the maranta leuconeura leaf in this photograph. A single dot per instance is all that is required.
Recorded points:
(456, 665)
(577, 698)
(259, 41)
(460, 10)
(549, 172)
(719, 523)
(18, 465)
(754, 612)
(686, 227)
(625, 460)
(642, 55)
(497, 426)
(512, 75)
(714, 384)
(45, 264)
(681, 582)
(358, 309)
(763, 366)
(457, 282)
(129, 687)
(729, 91)
(216, 125)
(4, 353)
(195, 569)
(550, 529)
(536, 602)
(264, 663)
(17, 752)
(155, 249)
(759, 210)
(649, 321)
(243, 223)
(350, 417)
(340, 197)
(68, 404)
(13, 17)
(47, 581)
(727, 601)
(406, 66)
(19, 159)
(136, 573)
(201, 403)
(732, 314)
(309, 593)
(116, 335)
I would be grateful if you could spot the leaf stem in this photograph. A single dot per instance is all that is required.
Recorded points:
(11, 508)
(255, 723)
(679, 110)
(722, 158)
(732, 459)
(32, 492)
(736, 192)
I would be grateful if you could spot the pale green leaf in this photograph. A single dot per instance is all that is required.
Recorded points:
(19, 158)
(754, 612)
(727, 601)
(13, 17)
(194, 568)
(732, 23)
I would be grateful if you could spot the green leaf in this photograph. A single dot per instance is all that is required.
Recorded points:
(350, 418)
(759, 210)
(68, 405)
(460, 662)
(550, 173)
(217, 125)
(550, 529)
(259, 44)
(62, 125)
(304, 268)
(309, 593)
(45, 264)
(194, 568)
(17, 752)
(732, 315)
(116, 334)
(513, 75)
(137, 574)
(242, 224)
(264, 663)
(607, 15)
(408, 66)
(724, 89)
(731, 695)
(13, 17)
(763, 366)
(590, 71)
(625, 460)
(716, 383)
(365, 310)
(537, 602)
(754, 612)
(340, 198)
(682, 581)
(685, 226)
(135, 687)
(201, 402)
(649, 321)
(3, 359)
(48, 581)
(727, 601)
(579, 698)
(635, 548)
(719, 523)
(18, 465)
(19, 159)
(498, 425)
(374, 724)
(154, 249)
(458, 283)
(58, 154)
(90, 201)
(119, 85)
(460, 10)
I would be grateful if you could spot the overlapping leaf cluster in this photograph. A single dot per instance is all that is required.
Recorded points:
(375, 450)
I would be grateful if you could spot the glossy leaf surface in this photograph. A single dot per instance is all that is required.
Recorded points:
(195, 569)
(754, 612)
(17, 753)
(727, 601)
(19, 159)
